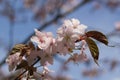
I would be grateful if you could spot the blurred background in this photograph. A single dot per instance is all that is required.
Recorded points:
(19, 18)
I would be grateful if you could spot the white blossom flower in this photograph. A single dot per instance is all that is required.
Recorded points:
(64, 46)
(67, 35)
(13, 60)
(33, 56)
(71, 27)
(70, 31)
(45, 58)
(46, 70)
(66, 29)
(45, 41)
(77, 58)
(79, 30)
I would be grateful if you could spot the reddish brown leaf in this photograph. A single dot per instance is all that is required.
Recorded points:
(93, 49)
(98, 36)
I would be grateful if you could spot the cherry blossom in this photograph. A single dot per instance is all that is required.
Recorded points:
(46, 58)
(70, 31)
(46, 70)
(13, 60)
(69, 36)
(72, 28)
(117, 25)
(77, 58)
(64, 46)
(32, 57)
(43, 39)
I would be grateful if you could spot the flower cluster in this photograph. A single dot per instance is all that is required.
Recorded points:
(71, 36)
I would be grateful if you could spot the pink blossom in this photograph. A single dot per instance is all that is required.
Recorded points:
(117, 25)
(46, 70)
(65, 43)
(13, 60)
(73, 27)
(52, 47)
(65, 46)
(80, 29)
(44, 40)
(77, 58)
(32, 57)
(66, 29)
(70, 31)
(45, 58)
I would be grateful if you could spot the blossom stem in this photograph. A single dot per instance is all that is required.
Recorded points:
(18, 77)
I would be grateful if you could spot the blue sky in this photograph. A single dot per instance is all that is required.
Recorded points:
(102, 20)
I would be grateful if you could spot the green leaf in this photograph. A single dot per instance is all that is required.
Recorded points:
(93, 49)
(23, 64)
(98, 36)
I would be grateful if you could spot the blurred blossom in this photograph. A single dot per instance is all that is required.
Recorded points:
(117, 25)
(77, 58)
(91, 73)
(96, 5)
(29, 3)
(113, 3)
(70, 4)
(113, 64)
(46, 70)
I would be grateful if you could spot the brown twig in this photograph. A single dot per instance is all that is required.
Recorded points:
(18, 77)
